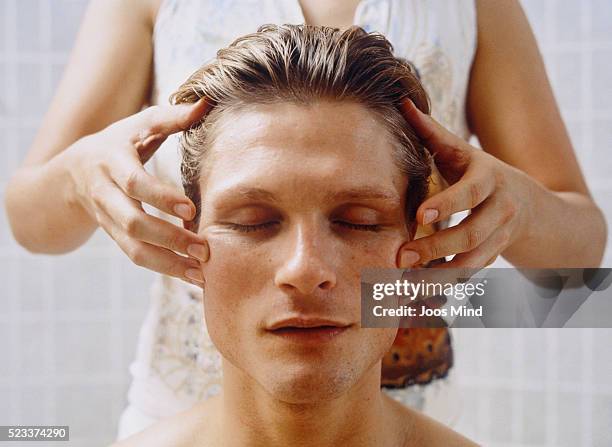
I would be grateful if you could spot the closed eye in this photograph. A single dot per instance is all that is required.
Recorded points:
(249, 228)
(266, 225)
(361, 227)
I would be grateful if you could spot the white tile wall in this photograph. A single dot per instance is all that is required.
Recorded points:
(68, 325)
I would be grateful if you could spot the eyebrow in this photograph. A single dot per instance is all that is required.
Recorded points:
(365, 193)
(354, 193)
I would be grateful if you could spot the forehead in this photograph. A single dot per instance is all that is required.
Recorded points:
(325, 142)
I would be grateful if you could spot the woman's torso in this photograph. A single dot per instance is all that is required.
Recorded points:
(176, 363)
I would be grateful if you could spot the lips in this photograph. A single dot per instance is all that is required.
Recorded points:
(306, 323)
(304, 330)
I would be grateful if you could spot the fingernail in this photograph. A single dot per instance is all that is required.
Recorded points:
(409, 258)
(429, 216)
(183, 210)
(194, 274)
(198, 251)
(410, 103)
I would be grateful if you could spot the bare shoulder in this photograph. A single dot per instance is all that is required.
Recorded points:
(193, 427)
(431, 432)
(423, 430)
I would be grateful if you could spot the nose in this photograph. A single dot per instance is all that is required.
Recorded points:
(308, 264)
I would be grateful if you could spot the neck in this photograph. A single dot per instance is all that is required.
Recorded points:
(253, 417)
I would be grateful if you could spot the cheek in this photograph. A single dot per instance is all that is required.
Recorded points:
(229, 261)
(232, 274)
(379, 251)
(235, 263)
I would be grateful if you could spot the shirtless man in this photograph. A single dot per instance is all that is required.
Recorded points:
(303, 173)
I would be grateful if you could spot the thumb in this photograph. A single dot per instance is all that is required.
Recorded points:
(158, 122)
(170, 119)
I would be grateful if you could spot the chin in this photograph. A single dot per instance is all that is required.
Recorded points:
(311, 383)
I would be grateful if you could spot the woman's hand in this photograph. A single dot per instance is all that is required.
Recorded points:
(110, 182)
(496, 194)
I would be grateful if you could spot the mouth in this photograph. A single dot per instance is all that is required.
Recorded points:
(305, 330)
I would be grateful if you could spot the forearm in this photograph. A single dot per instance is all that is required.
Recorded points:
(564, 229)
(42, 211)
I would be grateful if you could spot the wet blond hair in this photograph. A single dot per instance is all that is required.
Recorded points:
(301, 64)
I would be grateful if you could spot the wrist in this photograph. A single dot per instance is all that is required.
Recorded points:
(64, 167)
(532, 198)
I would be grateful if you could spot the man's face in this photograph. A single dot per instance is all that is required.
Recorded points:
(295, 202)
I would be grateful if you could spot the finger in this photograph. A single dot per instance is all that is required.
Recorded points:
(129, 216)
(162, 121)
(157, 259)
(446, 146)
(146, 147)
(485, 254)
(465, 236)
(155, 124)
(469, 192)
(138, 184)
